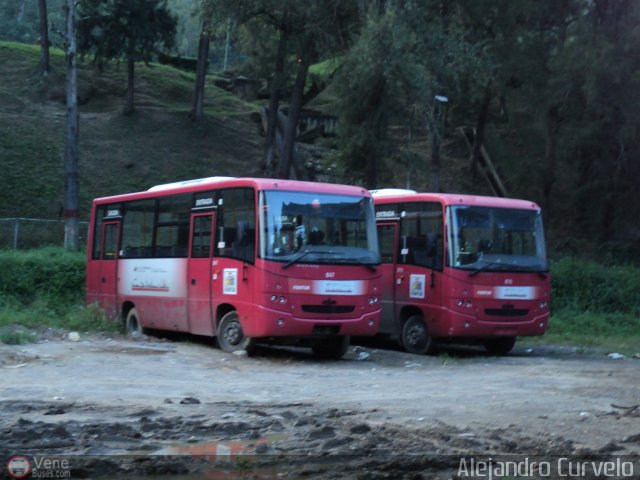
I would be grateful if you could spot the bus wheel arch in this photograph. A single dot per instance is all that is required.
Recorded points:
(133, 325)
(414, 333)
(230, 337)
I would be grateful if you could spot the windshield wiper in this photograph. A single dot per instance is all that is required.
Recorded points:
(483, 268)
(506, 266)
(307, 252)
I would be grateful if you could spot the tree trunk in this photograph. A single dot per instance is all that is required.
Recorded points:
(295, 108)
(435, 154)
(130, 106)
(201, 73)
(478, 138)
(71, 191)
(268, 166)
(44, 37)
(435, 161)
(21, 11)
(549, 169)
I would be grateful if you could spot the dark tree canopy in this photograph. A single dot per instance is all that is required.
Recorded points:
(125, 29)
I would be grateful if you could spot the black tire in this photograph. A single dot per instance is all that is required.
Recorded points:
(499, 345)
(333, 348)
(415, 337)
(132, 324)
(230, 337)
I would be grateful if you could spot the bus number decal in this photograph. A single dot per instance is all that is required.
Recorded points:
(230, 285)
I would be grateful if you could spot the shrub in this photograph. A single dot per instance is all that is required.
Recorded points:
(53, 274)
(587, 286)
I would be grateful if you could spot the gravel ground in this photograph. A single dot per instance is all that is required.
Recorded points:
(116, 407)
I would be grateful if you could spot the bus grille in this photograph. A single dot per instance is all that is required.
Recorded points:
(506, 312)
(328, 308)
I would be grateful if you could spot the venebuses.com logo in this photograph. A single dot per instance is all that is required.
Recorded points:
(19, 467)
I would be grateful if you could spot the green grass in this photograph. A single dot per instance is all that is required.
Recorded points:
(45, 289)
(17, 337)
(613, 332)
(42, 314)
(595, 305)
(118, 153)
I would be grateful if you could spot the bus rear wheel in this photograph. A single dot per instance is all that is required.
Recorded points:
(415, 336)
(230, 337)
(333, 348)
(132, 324)
(499, 345)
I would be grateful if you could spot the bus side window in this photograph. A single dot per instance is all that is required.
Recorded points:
(236, 224)
(421, 230)
(386, 241)
(201, 237)
(110, 241)
(137, 229)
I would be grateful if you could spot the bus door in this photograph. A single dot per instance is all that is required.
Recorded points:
(420, 261)
(199, 280)
(108, 270)
(387, 239)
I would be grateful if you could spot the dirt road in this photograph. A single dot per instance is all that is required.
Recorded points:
(184, 407)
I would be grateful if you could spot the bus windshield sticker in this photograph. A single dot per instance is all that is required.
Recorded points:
(416, 289)
(230, 276)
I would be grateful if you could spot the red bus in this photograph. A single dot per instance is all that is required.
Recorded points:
(241, 259)
(461, 268)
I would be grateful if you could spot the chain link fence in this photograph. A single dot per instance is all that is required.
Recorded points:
(26, 233)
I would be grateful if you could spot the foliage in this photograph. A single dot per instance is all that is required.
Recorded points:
(405, 55)
(51, 274)
(587, 286)
(45, 288)
(130, 29)
(119, 154)
(114, 29)
(595, 304)
(17, 337)
(19, 19)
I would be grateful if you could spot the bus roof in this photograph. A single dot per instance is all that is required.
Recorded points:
(452, 199)
(210, 183)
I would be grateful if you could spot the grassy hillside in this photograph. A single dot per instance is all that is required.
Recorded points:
(118, 153)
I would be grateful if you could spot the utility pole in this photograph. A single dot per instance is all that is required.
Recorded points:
(71, 191)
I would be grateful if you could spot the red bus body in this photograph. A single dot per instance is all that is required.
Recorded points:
(461, 268)
(183, 256)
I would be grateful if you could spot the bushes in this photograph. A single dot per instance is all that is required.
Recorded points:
(52, 275)
(45, 288)
(594, 304)
(586, 286)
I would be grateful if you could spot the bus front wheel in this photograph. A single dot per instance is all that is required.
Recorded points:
(499, 345)
(132, 324)
(415, 336)
(333, 348)
(230, 335)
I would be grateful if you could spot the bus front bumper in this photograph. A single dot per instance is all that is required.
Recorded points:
(460, 325)
(273, 323)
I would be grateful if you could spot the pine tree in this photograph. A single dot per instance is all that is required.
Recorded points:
(125, 29)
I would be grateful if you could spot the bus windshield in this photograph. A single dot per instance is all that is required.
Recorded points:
(317, 228)
(496, 239)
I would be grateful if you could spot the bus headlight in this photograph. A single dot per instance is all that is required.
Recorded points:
(465, 304)
(373, 300)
